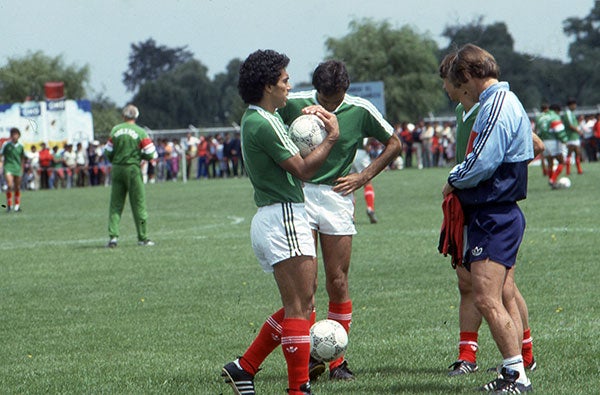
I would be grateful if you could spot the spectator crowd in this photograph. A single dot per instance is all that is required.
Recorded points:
(425, 144)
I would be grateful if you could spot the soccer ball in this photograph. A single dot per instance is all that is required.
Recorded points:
(307, 132)
(564, 182)
(328, 340)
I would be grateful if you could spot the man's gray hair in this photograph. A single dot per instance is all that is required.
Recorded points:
(131, 112)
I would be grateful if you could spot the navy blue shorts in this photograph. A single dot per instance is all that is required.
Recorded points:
(494, 233)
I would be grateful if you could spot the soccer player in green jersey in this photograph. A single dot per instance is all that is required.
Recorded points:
(127, 145)
(329, 199)
(469, 318)
(13, 160)
(280, 233)
(574, 134)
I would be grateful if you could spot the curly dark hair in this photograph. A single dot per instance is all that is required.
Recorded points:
(331, 77)
(261, 68)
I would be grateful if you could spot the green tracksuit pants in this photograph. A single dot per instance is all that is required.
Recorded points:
(127, 180)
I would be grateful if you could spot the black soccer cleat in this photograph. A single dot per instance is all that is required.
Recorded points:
(241, 381)
(506, 383)
(461, 367)
(341, 372)
(315, 369)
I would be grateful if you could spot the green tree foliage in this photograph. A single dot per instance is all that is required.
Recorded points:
(148, 61)
(403, 59)
(582, 73)
(106, 115)
(533, 79)
(178, 98)
(25, 76)
(230, 105)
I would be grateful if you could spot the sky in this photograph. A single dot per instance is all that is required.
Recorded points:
(99, 33)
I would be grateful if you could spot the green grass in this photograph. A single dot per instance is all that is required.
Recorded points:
(77, 318)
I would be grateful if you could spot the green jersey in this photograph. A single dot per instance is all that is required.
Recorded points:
(13, 154)
(357, 119)
(464, 127)
(128, 144)
(542, 125)
(571, 125)
(265, 144)
(556, 128)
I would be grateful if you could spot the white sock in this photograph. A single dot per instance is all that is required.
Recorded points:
(516, 363)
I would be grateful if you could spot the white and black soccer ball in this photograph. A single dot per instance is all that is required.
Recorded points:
(307, 132)
(564, 183)
(328, 340)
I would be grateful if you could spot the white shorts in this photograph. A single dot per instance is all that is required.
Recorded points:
(553, 148)
(574, 143)
(279, 232)
(362, 160)
(329, 212)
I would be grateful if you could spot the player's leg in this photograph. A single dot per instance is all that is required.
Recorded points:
(369, 195)
(570, 152)
(336, 251)
(295, 279)
(118, 193)
(17, 192)
(10, 182)
(488, 278)
(137, 199)
(577, 149)
(527, 340)
(469, 321)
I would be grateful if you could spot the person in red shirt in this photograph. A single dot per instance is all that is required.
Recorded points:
(45, 166)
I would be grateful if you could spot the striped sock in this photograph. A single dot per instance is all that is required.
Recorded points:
(467, 347)
(342, 313)
(267, 340)
(295, 344)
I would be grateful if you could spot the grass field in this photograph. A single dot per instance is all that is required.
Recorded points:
(77, 318)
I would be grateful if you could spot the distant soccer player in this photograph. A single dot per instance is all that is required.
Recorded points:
(362, 160)
(281, 236)
(555, 138)
(13, 161)
(127, 145)
(574, 135)
(329, 201)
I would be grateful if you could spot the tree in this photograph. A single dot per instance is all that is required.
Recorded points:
(106, 115)
(147, 62)
(178, 98)
(403, 59)
(584, 51)
(25, 77)
(533, 79)
(230, 104)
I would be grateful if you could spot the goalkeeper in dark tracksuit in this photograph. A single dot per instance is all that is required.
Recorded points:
(127, 146)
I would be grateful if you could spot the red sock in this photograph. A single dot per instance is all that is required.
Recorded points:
(467, 347)
(17, 198)
(295, 344)
(342, 313)
(9, 198)
(369, 194)
(568, 166)
(527, 347)
(267, 340)
(578, 163)
(313, 317)
(556, 173)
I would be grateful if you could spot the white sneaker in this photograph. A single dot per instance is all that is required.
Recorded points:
(146, 243)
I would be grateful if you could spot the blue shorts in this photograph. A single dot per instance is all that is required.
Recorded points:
(494, 233)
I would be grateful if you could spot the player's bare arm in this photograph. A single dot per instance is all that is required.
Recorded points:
(305, 168)
(350, 183)
(538, 145)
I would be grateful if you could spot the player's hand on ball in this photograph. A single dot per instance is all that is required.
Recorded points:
(328, 118)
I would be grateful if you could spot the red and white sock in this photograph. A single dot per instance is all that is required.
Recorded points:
(578, 163)
(369, 194)
(265, 342)
(9, 199)
(467, 347)
(342, 313)
(556, 173)
(295, 344)
(527, 347)
(17, 199)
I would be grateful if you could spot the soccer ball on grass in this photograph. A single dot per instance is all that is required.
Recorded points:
(328, 340)
(564, 183)
(307, 132)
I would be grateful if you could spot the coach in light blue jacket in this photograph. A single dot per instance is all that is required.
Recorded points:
(488, 184)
